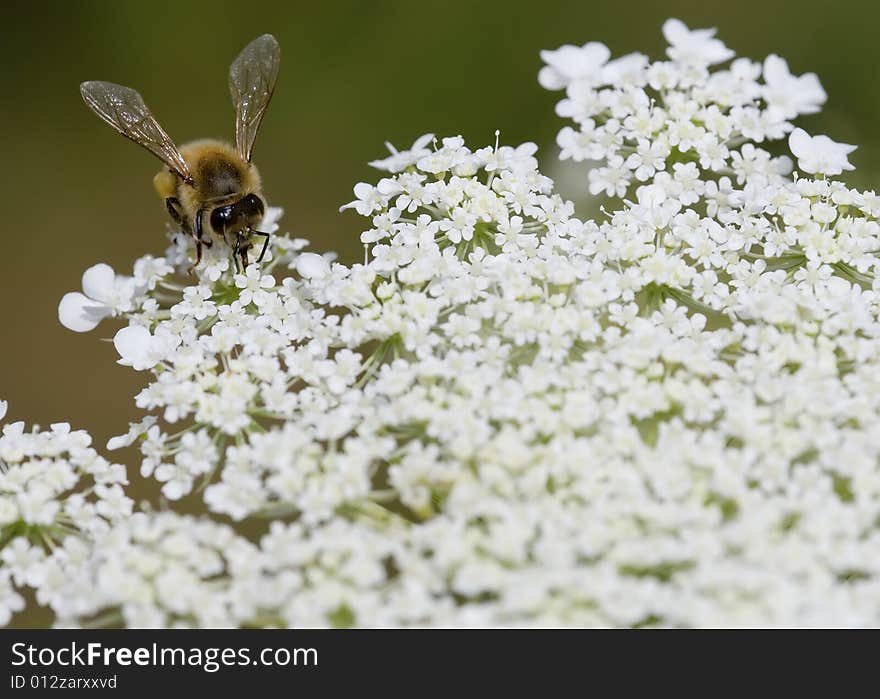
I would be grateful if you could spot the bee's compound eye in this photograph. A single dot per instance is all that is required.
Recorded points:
(221, 217)
(252, 206)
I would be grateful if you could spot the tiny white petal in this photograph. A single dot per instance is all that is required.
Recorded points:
(133, 345)
(798, 141)
(97, 281)
(674, 30)
(118, 442)
(273, 214)
(80, 313)
(312, 266)
(819, 154)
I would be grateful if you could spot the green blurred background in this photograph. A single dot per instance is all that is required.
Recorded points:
(353, 75)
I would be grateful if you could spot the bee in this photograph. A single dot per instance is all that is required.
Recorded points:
(208, 186)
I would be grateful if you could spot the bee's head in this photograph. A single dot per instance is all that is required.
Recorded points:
(238, 216)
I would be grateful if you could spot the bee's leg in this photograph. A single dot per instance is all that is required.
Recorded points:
(199, 244)
(199, 230)
(200, 241)
(235, 248)
(171, 203)
(173, 206)
(265, 243)
(241, 250)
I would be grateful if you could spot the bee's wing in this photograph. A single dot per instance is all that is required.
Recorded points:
(124, 109)
(252, 79)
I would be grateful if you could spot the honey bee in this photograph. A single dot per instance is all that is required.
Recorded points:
(208, 186)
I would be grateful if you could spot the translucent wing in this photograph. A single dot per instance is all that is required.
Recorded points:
(124, 109)
(252, 79)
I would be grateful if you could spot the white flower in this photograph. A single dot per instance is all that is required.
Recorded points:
(819, 154)
(791, 95)
(506, 415)
(569, 64)
(312, 266)
(4, 405)
(215, 262)
(135, 430)
(253, 287)
(58, 486)
(613, 180)
(139, 349)
(197, 303)
(399, 161)
(269, 223)
(694, 45)
(369, 199)
(10, 601)
(105, 293)
(149, 270)
(507, 158)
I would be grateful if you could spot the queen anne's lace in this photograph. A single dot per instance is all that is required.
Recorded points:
(507, 415)
(56, 495)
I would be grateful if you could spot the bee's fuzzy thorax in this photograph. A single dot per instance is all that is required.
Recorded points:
(218, 171)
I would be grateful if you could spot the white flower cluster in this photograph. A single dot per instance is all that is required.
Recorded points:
(56, 495)
(509, 416)
(164, 569)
